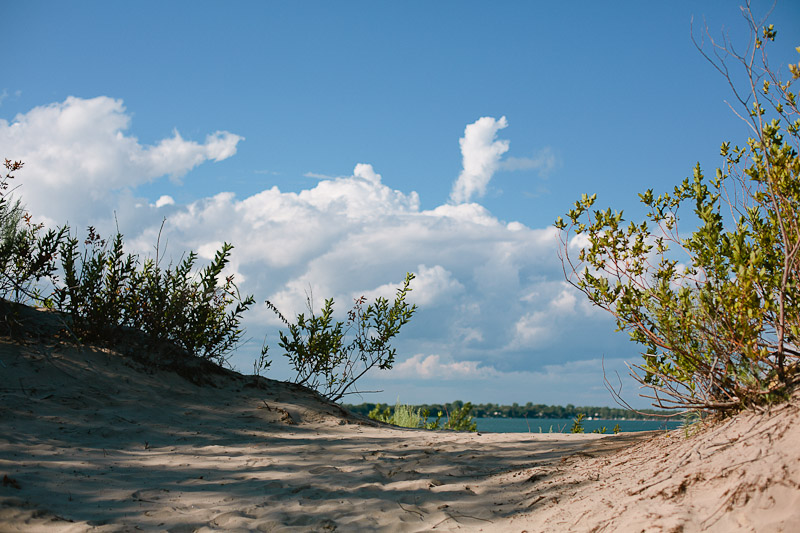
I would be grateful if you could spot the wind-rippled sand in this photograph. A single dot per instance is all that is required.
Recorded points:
(93, 440)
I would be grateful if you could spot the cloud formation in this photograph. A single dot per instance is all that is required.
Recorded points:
(481, 154)
(487, 290)
(430, 367)
(77, 155)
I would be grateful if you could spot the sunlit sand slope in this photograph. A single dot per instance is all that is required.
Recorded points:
(102, 440)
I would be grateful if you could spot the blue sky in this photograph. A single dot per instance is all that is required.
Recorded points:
(339, 145)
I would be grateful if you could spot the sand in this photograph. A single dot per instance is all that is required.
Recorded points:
(97, 439)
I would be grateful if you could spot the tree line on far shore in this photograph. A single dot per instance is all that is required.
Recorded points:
(529, 410)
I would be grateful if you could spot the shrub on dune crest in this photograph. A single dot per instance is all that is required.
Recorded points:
(26, 253)
(105, 290)
(720, 325)
(329, 356)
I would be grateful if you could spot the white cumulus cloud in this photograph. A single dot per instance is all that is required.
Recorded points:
(164, 200)
(78, 155)
(439, 368)
(562, 383)
(481, 154)
(432, 286)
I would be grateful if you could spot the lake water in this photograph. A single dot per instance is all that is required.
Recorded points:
(564, 425)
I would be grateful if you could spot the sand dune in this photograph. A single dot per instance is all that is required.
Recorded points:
(99, 440)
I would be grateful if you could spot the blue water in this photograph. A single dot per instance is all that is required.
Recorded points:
(564, 425)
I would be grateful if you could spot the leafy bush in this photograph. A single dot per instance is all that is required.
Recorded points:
(319, 351)
(577, 424)
(459, 419)
(191, 310)
(106, 290)
(96, 292)
(403, 415)
(26, 254)
(408, 417)
(721, 329)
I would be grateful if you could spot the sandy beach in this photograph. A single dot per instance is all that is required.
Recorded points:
(98, 439)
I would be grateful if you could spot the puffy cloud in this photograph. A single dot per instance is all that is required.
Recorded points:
(440, 368)
(481, 157)
(483, 286)
(533, 329)
(435, 286)
(353, 236)
(77, 155)
(431, 287)
(564, 303)
(164, 200)
(554, 303)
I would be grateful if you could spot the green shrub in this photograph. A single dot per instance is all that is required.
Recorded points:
(460, 419)
(96, 290)
(26, 254)
(329, 356)
(577, 424)
(407, 416)
(403, 415)
(192, 310)
(381, 414)
(106, 290)
(720, 326)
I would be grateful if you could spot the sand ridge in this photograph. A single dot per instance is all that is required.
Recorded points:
(97, 440)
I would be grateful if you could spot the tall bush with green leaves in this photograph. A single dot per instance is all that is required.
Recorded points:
(329, 356)
(105, 290)
(200, 312)
(27, 254)
(721, 323)
(96, 289)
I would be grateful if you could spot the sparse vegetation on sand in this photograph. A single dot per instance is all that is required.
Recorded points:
(329, 355)
(100, 441)
(456, 419)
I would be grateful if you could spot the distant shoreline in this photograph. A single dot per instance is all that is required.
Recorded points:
(534, 411)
